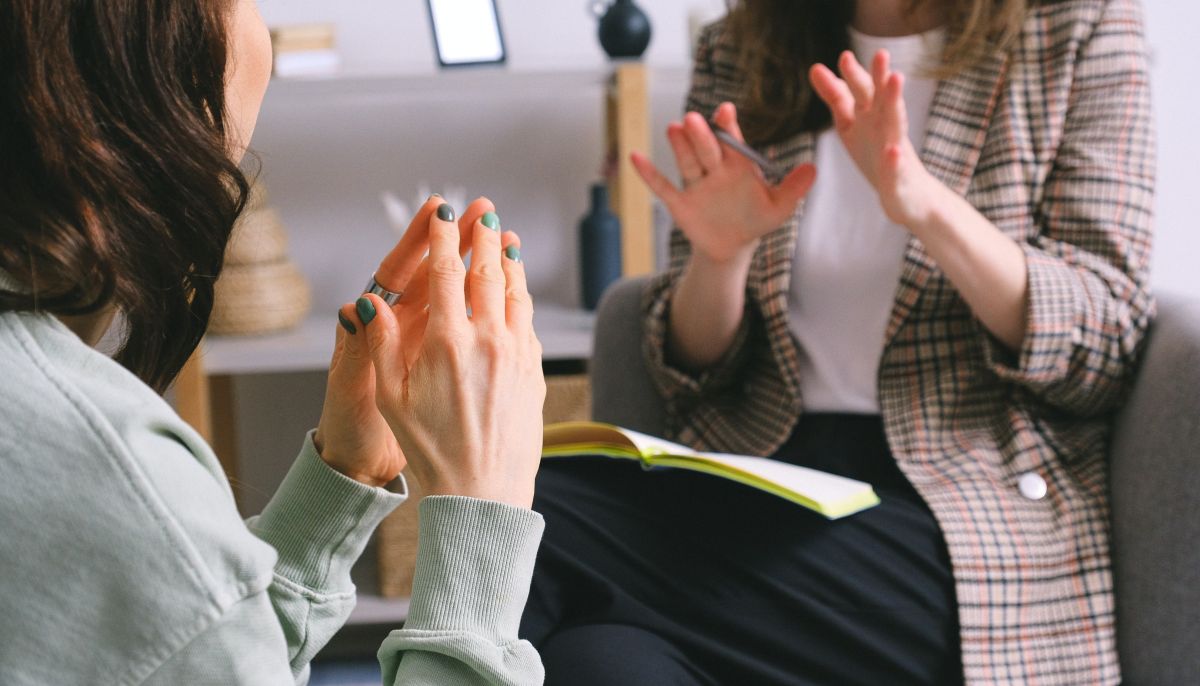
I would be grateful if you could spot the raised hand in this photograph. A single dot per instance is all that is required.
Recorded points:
(464, 400)
(870, 117)
(352, 436)
(725, 205)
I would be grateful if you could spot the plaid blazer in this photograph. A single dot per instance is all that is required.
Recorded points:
(1052, 141)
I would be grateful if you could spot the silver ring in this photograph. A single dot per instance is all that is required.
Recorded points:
(389, 297)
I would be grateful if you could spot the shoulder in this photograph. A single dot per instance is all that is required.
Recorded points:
(1068, 44)
(715, 71)
(1069, 24)
(116, 514)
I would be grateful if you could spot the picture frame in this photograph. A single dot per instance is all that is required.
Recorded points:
(466, 32)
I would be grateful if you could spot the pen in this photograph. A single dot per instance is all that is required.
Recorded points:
(745, 150)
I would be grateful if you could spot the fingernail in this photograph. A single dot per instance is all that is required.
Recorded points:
(366, 310)
(491, 220)
(435, 195)
(513, 253)
(346, 323)
(445, 212)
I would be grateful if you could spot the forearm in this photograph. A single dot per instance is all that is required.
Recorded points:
(986, 267)
(709, 304)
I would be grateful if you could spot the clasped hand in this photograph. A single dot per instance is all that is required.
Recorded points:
(456, 396)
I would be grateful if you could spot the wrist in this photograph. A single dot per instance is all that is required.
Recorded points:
(735, 267)
(340, 464)
(515, 497)
(931, 200)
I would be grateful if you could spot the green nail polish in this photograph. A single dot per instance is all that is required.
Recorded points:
(445, 212)
(491, 220)
(513, 253)
(346, 323)
(366, 310)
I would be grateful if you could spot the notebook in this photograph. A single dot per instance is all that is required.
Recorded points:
(827, 494)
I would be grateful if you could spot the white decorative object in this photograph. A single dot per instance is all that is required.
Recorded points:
(400, 213)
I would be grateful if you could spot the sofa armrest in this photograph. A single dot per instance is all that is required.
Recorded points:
(1155, 469)
(622, 391)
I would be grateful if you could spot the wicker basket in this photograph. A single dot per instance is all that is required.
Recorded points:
(259, 299)
(568, 398)
(258, 237)
(260, 291)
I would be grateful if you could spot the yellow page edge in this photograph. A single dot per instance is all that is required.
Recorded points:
(845, 508)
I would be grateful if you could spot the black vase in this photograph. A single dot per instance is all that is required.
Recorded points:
(624, 30)
(599, 248)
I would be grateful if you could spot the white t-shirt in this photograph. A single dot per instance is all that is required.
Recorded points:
(848, 255)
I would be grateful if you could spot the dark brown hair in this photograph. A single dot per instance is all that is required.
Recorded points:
(116, 185)
(778, 41)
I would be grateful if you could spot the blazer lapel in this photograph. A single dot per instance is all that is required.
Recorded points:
(771, 274)
(778, 249)
(958, 123)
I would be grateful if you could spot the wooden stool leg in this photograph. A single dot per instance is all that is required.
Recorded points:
(628, 130)
(192, 396)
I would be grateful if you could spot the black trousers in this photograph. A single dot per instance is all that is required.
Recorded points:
(671, 577)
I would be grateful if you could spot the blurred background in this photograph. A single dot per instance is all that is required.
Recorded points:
(376, 113)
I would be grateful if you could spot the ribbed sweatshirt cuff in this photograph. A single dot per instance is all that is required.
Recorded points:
(475, 563)
(320, 520)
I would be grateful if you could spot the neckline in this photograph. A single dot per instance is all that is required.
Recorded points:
(911, 53)
(936, 32)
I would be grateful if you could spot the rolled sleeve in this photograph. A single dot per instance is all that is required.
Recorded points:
(1053, 328)
(1089, 304)
(676, 384)
(320, 520)
(475, 563)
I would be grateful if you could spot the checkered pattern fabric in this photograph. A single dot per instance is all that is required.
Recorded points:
(1052, 141)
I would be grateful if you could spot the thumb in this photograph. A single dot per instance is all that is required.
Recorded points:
(726, 118)
(382, 334)
(794, 187)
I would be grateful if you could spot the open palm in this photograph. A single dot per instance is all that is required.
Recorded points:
(871, 119)
(725, 204)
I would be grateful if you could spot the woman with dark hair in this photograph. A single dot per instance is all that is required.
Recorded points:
(122, 123)
(952, 310)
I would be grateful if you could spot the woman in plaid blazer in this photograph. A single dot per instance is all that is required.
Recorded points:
(1016, 323)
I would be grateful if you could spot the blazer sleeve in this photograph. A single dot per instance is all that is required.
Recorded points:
(675, 384)
(1089, 305)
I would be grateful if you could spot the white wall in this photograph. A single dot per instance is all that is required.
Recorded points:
(394, 36)
(1171, 29)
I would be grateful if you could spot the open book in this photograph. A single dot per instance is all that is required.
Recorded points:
(827, 494)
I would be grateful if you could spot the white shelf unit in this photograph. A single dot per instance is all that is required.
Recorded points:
(565, 334)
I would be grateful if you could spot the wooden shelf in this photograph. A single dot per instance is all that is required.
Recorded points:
(485, 82)
(566, 334)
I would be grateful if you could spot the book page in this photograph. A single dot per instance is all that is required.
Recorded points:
(817, 485)
(649, 445)
(577, 436)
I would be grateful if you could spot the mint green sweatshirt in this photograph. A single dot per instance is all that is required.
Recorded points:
(123, 559)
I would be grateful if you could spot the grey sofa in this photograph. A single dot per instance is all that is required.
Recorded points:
(1155, 476)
